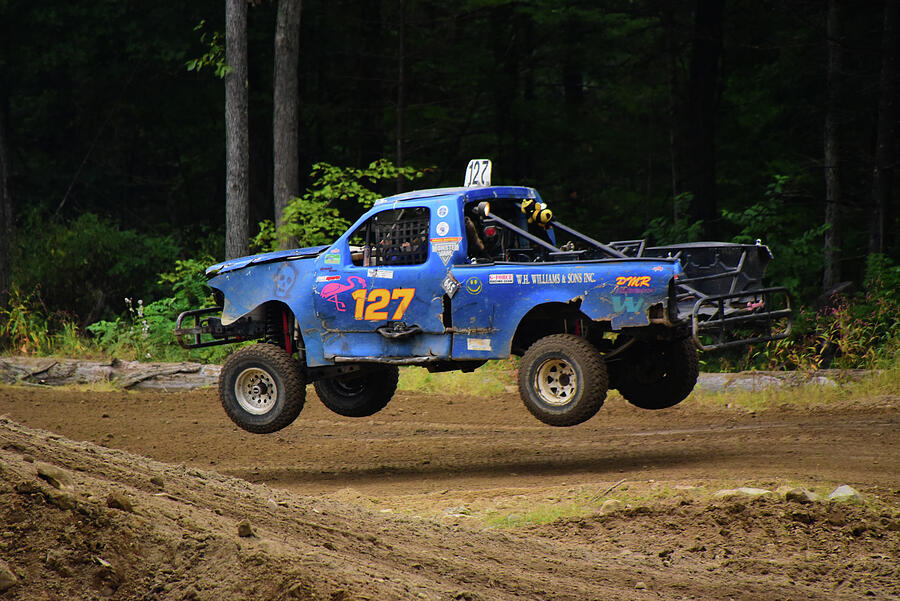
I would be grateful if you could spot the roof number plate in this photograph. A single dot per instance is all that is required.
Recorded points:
(478, 173)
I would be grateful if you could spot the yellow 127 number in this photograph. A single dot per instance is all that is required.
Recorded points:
(370, 304)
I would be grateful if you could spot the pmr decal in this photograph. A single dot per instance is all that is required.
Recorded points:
(330, 291)
(633, 281)
(473, 285)
(370, 304)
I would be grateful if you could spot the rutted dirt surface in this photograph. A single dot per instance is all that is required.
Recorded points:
(154, 487)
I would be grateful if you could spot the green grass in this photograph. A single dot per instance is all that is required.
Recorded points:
(881, 383)
(492, 378)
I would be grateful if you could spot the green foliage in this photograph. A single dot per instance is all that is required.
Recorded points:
(313, 219)
(144, 331)
(81, 266)
(857, 331)
(797, 248)
(21, 326)
(672, 230)
(214, 57)
(26, 327)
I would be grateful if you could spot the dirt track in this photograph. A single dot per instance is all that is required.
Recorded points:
(425, 473)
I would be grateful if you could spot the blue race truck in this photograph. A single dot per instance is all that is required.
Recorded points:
(449, 278)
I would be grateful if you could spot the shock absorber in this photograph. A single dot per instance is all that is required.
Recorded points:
(280, 327)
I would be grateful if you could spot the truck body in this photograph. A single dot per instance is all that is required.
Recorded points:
(450, 278)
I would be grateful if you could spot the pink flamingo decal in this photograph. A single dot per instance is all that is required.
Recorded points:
(330, 291)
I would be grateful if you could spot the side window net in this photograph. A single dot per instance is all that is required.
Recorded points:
(393, 237)
(401, 236)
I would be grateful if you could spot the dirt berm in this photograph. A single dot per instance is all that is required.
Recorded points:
(397, 506)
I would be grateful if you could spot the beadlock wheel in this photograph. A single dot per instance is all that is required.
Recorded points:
(562, 379)
(262, 388)
(255, 391)
(556, 382)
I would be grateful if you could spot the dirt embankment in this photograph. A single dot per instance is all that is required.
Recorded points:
(146, 495)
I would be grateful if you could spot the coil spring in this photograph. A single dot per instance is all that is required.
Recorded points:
(274, 329)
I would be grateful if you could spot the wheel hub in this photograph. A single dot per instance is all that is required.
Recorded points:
(556, 382)
(255, 391)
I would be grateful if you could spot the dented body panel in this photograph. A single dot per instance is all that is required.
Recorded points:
(460, 274)
(494, 298)
(340, 303)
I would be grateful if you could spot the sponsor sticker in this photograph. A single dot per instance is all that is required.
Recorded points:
(387, 274)
(450, 285)
(442, 211)
(442, 228)
(500, 278)
(627, 304)
(635, 284)
(445, 247)
(327, 278)
(633, 281)
(537, 279)
(473, 285)
(478, 344)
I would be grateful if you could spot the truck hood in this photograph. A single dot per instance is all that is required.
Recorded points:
(278, 255)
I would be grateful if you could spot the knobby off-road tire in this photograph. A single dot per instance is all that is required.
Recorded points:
(359, 395)
(660, 376)
(262, 388)
(562, 380)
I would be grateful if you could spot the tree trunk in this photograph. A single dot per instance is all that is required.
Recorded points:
(6, 217)
(702, 104)
(883, 171)
(667, 17)
(286, 111)
(237, 145)
(832, 271)
(370, 92)
(401, 89)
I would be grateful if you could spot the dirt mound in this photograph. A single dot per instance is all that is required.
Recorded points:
(396, 506)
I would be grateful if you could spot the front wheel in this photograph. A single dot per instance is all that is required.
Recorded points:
(562, 380)
(359, 395)
(262, 388)
(659, 376)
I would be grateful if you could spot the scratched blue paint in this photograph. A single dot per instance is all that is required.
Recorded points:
(318, 285)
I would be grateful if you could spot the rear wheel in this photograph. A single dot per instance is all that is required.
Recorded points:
(562, 380)
(359, 395)
(660, 375)
(262, 388)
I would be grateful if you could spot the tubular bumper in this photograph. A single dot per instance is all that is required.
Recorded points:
(727, 317)
(190, 337)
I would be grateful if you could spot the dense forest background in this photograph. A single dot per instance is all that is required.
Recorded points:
(673, 119)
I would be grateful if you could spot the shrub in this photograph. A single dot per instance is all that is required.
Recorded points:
(856, 331)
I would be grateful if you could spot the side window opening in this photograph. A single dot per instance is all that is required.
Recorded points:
(393, 237)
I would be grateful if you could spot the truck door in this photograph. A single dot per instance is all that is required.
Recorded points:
(378, 290)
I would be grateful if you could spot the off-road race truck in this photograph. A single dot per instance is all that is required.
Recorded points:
(450, 278)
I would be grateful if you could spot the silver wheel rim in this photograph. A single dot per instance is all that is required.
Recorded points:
(255, 391)
(556, 382)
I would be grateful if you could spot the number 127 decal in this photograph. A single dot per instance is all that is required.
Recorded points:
(371, 304)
